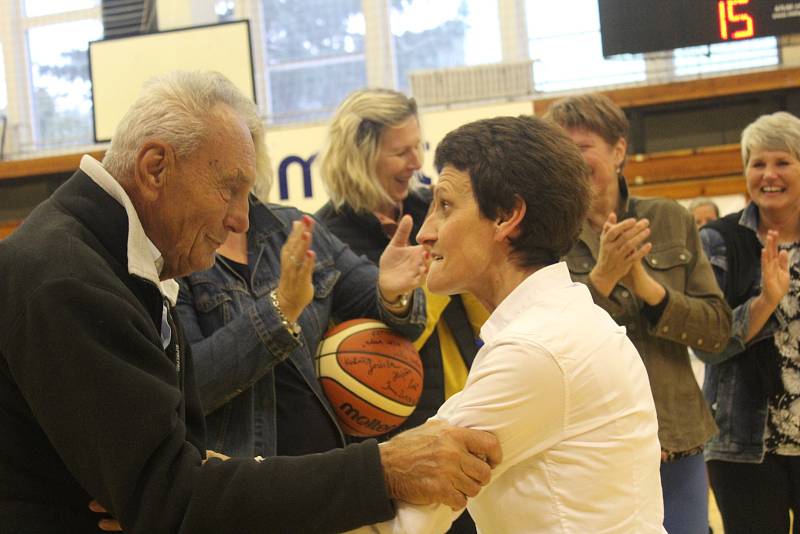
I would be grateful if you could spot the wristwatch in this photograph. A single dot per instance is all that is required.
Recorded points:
(292, 326)
(398, 304)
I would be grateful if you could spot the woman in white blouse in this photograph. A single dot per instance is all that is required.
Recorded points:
(557, 380)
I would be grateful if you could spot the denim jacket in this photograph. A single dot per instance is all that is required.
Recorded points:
(237, 338)
(740, 417)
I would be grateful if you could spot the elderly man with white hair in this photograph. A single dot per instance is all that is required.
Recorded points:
(97, 390)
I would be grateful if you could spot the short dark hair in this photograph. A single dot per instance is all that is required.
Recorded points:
(530, 159)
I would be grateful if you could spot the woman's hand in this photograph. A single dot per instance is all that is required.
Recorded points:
(295, 289)
(774, 270)
(621, 246)
(643, 285)
(402, 266)
(774, 285)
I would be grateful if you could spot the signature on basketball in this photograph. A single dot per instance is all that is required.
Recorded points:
(374, 340)
(401, 381)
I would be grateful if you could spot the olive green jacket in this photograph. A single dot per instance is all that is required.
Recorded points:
(695, 315)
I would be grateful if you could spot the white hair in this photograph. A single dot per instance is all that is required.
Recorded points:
(178, 108)
(777, 131)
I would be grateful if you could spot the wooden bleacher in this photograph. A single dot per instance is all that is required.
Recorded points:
(706, 171)
(28, 168)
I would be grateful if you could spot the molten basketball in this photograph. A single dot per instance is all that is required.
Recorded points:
(371, 375)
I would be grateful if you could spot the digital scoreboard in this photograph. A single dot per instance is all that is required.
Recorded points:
(634, 26)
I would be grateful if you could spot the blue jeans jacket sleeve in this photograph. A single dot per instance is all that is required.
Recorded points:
(714, 247)
(238, 353)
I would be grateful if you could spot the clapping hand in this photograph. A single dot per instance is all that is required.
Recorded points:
(295, 289)
(621, 246)
(774, 270)
(402, 266)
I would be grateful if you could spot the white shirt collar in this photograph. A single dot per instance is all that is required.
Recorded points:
(144, 259)
(532, 289)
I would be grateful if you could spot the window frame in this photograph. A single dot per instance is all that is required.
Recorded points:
(378, 55)
(22, 136)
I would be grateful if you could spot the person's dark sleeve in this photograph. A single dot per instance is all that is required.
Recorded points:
(89, 362)
(653, 313)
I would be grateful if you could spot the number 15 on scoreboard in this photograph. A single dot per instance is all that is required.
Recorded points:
(738, 20)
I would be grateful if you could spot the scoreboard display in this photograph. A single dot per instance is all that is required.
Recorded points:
(634, 26)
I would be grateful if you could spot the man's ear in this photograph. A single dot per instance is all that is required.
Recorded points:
(154, 161)
(508, 223)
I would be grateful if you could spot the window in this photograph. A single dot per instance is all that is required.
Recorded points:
(62, 100)
(48, 83)
(225, 10)
(565, 46)
(433, 34)
(314, 56)
(726, 56)
(3, 90)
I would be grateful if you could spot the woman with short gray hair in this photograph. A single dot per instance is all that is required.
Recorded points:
(753, 386)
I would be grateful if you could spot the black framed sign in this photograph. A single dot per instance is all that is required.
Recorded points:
(634, 26)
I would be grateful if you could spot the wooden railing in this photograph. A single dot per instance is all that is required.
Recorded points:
(647, 95)
(22, 168)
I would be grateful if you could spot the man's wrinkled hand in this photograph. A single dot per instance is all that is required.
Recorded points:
(439, 463)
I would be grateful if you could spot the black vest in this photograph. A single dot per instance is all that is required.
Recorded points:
(743, 256)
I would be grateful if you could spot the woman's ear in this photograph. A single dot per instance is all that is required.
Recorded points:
(508, 223)
(153, 162)
(620, 149)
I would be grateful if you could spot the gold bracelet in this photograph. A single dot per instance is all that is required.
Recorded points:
(292, 326)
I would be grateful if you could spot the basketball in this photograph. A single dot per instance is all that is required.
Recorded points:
(371, 375)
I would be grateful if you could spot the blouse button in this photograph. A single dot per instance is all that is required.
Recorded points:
(700, 341)
(654, 261)
(683, 335)
(682, 257)
(625, 294)
(585, 265)
(665, 328)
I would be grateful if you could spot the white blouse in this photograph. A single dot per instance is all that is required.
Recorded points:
(564, 390)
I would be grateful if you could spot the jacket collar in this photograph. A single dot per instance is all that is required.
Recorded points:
(143, 259)
(625, 210)
(263, 223)
(749, 218)
(416, 204)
